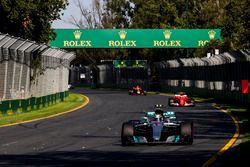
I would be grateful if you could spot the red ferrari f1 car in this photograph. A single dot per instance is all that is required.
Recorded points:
(136, 90)
(181, 99)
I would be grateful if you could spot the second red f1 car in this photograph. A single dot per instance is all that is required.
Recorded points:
(181, 99)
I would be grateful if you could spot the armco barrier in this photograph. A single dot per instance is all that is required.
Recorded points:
(38, 102)
(4, 107)
(24, 105)
(44, 101)
(14, 105)
(31, 104)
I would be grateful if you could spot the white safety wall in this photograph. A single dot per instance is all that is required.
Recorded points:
(17, 68)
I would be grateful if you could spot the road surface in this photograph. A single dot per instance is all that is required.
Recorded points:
(91, 136)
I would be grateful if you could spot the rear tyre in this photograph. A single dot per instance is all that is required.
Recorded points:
(127, 134)
(193, 102)
(170, 101)
(187, 132)
(129, 92)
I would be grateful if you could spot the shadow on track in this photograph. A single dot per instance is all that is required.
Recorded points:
(106, 159)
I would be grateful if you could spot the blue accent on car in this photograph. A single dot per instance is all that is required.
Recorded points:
(169, 113)
(150, 114)
(136, 139)
(177, 139)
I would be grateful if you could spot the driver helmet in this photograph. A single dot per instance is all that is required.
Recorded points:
(158, 117)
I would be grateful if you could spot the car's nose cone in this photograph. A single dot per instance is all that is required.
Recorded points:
(157, 128)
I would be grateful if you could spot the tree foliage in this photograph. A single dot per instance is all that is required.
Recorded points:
(96, 16)
(30, 19)
(235, 25)
(232, 16)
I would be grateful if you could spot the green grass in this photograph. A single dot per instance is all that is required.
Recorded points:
(200, 99)
(231, 107)
(239, 155)
(157, 92)
(241, 112)
(247, 138)
(73, 101)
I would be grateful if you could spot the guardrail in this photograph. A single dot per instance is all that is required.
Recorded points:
(31, 104)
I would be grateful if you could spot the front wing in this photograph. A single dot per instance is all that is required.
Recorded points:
(174, 139)
(178, 104)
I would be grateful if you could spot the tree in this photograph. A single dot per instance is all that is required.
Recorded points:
(234, 20)
(120, 12)
(146, 14)
(88, 18)
(30, 19)
(95, 16)
(235, 25)
(231, 16)
(168, 14)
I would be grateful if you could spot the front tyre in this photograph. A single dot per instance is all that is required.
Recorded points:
(187, 133)
(127, 134)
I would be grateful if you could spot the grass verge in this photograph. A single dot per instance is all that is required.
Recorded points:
(238, 156)
(71, 102)
(242, 114)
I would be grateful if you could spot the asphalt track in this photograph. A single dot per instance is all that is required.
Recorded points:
(91, 136)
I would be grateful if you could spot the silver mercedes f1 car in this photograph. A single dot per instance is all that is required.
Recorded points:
(157, 127)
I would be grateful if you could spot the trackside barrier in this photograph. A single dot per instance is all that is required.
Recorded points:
(109, 77)
(218, 76)
(14, 105)
(31, 104)
(4, 107)
(24, 105)
(38, 102)
(29, 69)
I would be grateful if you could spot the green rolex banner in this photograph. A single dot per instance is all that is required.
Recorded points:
(134, 38)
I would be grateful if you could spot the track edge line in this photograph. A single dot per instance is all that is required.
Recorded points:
(229, 144)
